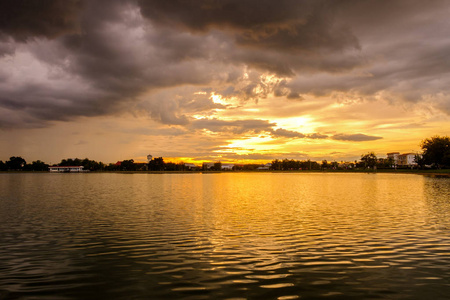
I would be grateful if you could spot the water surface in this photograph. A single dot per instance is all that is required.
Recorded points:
(224, 236)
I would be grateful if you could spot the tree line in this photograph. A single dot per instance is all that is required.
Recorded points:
(367, 160)
(17, 163)
(435, 154)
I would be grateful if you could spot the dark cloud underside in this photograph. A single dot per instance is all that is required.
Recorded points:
(286, 25)
(63, 59)
(23, 19)
(358, 137)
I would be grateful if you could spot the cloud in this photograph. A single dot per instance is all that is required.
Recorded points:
(317, 136)
(234, 127)
(232, 156)
(283, 25)
(81, 142)
(113, 60)
(407, 61)
(23, 19)
(246, 128)
(64, 60)
(358, 137)
(280, 132)
(250, 127)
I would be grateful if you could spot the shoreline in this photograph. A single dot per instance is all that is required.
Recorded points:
(433, 173)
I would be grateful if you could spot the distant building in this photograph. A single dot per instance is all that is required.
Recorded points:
(265, 167)
(207, 165)
(66, 169)
(394, 156)
(227, 166)
(210, 165)
(190, 166)
(407, 159)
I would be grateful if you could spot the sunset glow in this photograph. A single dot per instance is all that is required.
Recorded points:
(298, 80)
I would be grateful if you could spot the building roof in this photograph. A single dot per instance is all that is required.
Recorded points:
(66, 167)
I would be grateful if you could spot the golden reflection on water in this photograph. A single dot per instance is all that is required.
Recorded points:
(248, 235)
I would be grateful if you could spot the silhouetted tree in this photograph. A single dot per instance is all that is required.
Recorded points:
(112, 167)
(276, 164)
(36, 166)
(3, 166)
(306, 165)
(217, 166)
(128, 165)
(156, 164)
(314, 165)
(292, 164)
(420, 160)
(247, 167)
(436, 151)
(101, 166)
(389, 162)
(87, 164)
(170, 166)
(70, 162)
(15, 163)
(369, 159)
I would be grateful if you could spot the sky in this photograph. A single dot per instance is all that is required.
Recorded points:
(232, 80)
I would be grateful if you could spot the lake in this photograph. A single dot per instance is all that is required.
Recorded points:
(224, 236)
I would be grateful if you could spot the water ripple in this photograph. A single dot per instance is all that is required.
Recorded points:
(230, 236)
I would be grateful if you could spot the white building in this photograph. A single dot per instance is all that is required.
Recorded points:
(407, 159)
(190, 166)
(210, 165)
(66, 169)
(394, 156)
(265, 167)
(227, 166)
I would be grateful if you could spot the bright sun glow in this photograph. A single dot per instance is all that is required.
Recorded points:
(304, 124)
(259, 143)
(218, 99)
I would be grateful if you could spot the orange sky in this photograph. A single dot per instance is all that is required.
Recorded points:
(200, 82)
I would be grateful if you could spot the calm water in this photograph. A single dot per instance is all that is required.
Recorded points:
(223, 236)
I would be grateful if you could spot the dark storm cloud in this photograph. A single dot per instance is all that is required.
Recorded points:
(23, 19)
(358, 137)
(407, 51)
(114, 59)
(277, 36)
(63, 59)
(285, 25)
(6, 47)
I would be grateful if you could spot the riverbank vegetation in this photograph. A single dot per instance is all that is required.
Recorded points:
(435, 156)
